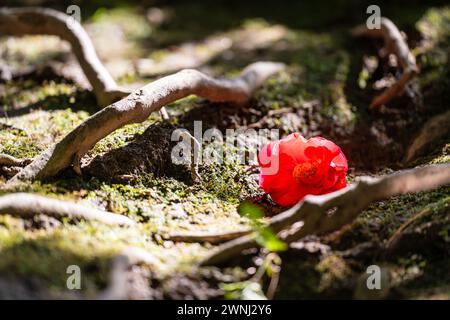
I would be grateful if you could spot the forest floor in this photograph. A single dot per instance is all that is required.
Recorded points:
(325, 90)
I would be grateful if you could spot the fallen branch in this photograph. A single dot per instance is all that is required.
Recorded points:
(138, 106)
(28, 205)
(394, 43)
(326, 213)
(37, 21)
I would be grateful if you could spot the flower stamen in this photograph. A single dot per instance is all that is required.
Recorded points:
(306, 172)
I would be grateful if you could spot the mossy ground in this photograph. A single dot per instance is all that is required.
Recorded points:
(318, 93)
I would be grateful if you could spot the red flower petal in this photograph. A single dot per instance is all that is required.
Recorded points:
(314, 166)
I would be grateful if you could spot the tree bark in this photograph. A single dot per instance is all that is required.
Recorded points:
(26, 205)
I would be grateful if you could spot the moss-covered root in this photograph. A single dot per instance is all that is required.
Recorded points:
(27, 205)
(23, 21)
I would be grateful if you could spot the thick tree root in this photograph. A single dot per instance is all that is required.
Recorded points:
(118, 287)
(28, 205)
(394, 43)
(326, 213)
(37, 21)
(138, 106)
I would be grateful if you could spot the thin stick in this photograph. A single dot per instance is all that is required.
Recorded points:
(394, 43)
(212, 238)
(394, 238)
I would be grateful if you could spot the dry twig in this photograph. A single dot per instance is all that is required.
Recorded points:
(394, 43)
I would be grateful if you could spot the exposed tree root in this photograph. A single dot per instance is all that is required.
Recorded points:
(325, 213)
(212, 238)
(34, 21)
(138, 106)
(117, 289)
(394, 43)
(27, 205)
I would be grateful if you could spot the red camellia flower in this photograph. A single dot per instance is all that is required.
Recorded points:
(294, 167)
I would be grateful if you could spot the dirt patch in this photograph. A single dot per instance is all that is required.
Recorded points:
(148, 153)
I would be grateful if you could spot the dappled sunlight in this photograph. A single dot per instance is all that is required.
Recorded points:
(307, 75)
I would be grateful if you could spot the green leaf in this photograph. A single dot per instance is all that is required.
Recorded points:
(270, 241)
(251, 211)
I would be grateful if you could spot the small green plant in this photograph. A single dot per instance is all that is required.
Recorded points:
(265, 236)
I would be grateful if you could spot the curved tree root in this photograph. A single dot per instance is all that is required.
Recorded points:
(394, 43)
(36, 21)
(138, 106)
(28, 205)
(326, 213)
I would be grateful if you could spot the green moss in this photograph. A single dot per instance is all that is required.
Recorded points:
(334, 270)
(382, 219)
(119, 138)
(47, 254)
(434, 77)
(322, 68)
(128, 19)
